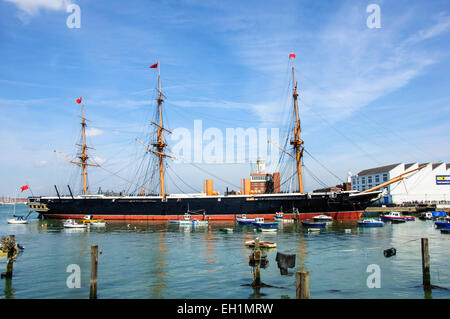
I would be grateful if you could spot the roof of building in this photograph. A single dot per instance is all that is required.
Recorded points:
(409, 165)
(447, 166)
(433, 166)
(377, 170)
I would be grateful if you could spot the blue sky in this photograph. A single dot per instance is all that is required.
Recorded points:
(368, 97)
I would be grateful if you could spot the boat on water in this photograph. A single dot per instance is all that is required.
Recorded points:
(370, 222)
(445, 231)
(97, 223)
(70, 223)
(394, 217)
(140, 206)
(188, 221)
(267, 230)
(17, 221)
(323, 218)
(88, 219)
(310, 223)
(259, 222)
(280, 218)
(426, 216)
(245, 220)
(262, 244)
(442, 222)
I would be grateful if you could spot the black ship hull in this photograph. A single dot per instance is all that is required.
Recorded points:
(338, 205)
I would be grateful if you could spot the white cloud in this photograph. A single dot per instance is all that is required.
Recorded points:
(41, 163)
(91, 132)
(31, 7)
(340, 68)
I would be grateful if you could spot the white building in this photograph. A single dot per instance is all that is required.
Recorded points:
(430, 184)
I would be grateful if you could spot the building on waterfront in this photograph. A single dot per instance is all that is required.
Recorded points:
(261, 182)
(430, 184)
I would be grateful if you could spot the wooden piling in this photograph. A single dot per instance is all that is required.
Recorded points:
(256, 271)
(94, 264)
(302, 281)
(12, 254)
(426, 278)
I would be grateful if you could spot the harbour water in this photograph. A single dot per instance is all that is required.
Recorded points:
(160, 260)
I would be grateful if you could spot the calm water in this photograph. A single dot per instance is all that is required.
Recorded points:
(158, 260)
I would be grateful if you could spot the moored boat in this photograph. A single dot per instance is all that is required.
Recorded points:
(17, 221)
(262, 244)
(309, 223)
(97, 223)
(393, 217)
(426, 216)
(259, 222)
(244, 220)
(267, 230)
(370, 222)
(443, 222)
(279, 217)
(70, 223)
(323, 218)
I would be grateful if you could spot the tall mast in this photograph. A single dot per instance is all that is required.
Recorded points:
(159, 144)
(297, 142)
(83, 156)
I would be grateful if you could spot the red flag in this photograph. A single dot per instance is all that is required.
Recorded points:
(79, 100)
(292, 55)
(153, 66)
(24, 187)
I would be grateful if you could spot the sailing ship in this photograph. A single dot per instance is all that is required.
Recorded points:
(299, 205)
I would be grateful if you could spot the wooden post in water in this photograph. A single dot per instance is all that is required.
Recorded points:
(94, 263)
(426, 264)
(13, 250)
(256, 271)
(302, 281)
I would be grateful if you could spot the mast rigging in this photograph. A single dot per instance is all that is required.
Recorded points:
(83, 156)
(297, 142)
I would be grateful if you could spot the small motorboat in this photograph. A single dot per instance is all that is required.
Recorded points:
(262, 244)
(244, 220)
(70, 223)
(259, 222)
(18, 220)
(409, 218)
(370, 222)
(309, 223)
(438, 214)
(443, 223)
(267, 230)
(393, 217)
(89, 220)
(279, 217)
(186, 220)
(97, 223)
(197, 222)
(323, 218)
(426, 216)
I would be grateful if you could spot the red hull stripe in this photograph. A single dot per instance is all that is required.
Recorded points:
(335, 215)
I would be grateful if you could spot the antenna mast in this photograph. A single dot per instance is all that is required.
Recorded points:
(297, 142)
